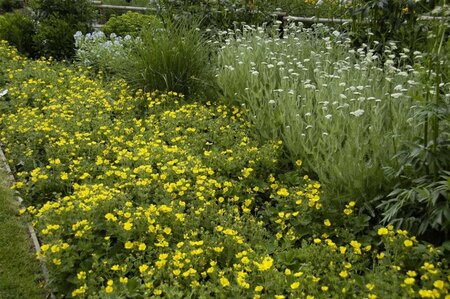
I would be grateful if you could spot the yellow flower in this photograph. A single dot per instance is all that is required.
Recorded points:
(382, 231)
(298, 163)
(295, 285)
(402, 232)
(324, 288)
(317, 241)
(409, 280)
(265, 265)
(438, 284)
(259, 288)
(18, 185)
(356, 246)
(408, 243)
(343, 274)
(224, 281)
(348, 211)
(128, 226)
(128, 245)
(246, 172)
(429, 293)
(283, 192)
(380, 255)
(429, 267)
(143, 268)
(81, 275)
(110, 217)
(57, 262)
(80, 291)
(370, 286)
(142, 246)
(327, 222)
(109, 289)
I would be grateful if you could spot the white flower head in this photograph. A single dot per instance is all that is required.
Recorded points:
(396, 95)
(3, 92)
(357, 113)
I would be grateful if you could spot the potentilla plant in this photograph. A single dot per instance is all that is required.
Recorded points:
(334, 107)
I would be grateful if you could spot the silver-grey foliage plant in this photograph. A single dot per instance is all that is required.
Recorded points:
(336, 108)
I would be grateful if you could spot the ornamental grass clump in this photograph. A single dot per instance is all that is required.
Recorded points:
(336, 108)
(176, 58)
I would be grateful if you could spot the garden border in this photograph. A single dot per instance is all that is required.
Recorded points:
(32, 233)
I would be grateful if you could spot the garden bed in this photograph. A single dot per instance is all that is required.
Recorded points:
(149, 194)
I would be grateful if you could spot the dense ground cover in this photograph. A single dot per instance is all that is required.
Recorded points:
(148, 194)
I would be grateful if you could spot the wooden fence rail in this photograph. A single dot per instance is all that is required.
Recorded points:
(279, 15)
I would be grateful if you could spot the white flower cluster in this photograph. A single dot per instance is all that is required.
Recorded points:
(97, 49)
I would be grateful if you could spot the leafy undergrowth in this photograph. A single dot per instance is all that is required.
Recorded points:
(145, 194)
(18, 269)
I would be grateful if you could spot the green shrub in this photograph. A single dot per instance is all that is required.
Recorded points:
(384, 21)
(221, 14)
(18, 29)
(130, 23)
(72, 11)
(175, 59)
(54, 37)
(10, 5)
(58, 22)
(309, 8)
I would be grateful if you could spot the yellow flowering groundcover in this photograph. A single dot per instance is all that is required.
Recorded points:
(143, 195)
